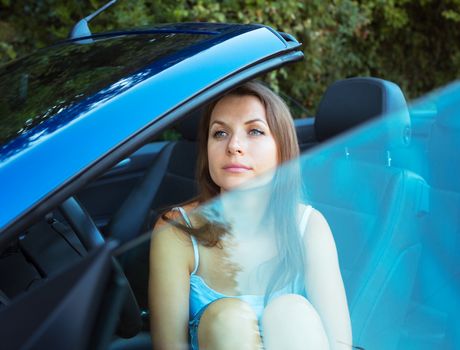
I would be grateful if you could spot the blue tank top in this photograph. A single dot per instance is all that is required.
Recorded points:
(202, 295)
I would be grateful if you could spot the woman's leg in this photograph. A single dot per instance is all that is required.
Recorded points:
(290, 322)
(229, 323)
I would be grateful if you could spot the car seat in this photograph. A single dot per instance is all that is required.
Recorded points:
(375, 210)
(169, 180)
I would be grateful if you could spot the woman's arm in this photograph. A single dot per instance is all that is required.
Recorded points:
(324, 283)
(171, 255)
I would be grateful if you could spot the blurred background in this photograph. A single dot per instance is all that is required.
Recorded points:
(415, 43)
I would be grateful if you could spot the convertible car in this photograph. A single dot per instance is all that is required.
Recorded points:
(98, 137)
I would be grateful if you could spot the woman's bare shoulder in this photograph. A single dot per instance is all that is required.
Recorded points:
(165, 233)
(304, 206)
(170, 243)
(318, 236)
(318, 216)
(314, 215)
(173, 215)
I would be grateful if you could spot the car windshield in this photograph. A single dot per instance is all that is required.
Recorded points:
(391, 196)
(29, 86)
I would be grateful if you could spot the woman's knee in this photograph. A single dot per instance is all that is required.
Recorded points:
(226, 318)
(228, 311)
(291, 305)
(285, 311)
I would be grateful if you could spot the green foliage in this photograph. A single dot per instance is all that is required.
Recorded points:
(415, 43)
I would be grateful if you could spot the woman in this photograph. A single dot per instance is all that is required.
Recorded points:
(258, 268)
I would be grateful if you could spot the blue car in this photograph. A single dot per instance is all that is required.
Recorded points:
(98, 138)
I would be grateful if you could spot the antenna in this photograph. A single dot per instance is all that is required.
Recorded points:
(81, 28)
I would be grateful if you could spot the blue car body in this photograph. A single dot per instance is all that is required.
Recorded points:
(67, 144)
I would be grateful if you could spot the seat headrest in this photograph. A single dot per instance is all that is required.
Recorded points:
(350, 102)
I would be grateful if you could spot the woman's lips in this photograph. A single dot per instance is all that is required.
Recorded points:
(236, 168)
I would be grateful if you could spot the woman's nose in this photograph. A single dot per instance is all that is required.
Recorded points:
(234, 145)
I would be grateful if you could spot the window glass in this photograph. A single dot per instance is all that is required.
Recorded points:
(382, 201)
(27, 86)
(390, 196)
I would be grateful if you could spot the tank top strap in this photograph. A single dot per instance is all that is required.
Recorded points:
(184, 215)
(196, 253)
(304, 219)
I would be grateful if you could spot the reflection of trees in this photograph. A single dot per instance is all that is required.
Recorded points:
(68, 79)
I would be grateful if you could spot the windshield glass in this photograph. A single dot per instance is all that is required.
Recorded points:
(383, 200)
(28, 86)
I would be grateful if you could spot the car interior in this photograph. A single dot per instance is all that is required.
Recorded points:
(381, 245)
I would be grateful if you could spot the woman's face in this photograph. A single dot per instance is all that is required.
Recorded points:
(240, 143)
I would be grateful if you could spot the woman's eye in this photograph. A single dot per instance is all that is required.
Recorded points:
(219, 134)
(256, 132)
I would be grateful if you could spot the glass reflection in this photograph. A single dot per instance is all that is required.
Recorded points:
(30, 101)
(391, 202)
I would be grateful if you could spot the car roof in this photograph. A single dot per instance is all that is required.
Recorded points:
(60, 147)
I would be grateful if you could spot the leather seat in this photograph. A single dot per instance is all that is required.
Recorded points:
(168, 181)
(375, 209)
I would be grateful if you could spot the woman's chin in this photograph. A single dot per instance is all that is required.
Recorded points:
(248, 184)
(232, 186)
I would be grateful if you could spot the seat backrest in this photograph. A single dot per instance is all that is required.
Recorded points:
(375, 210)
(178, 183)
(169, 180)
